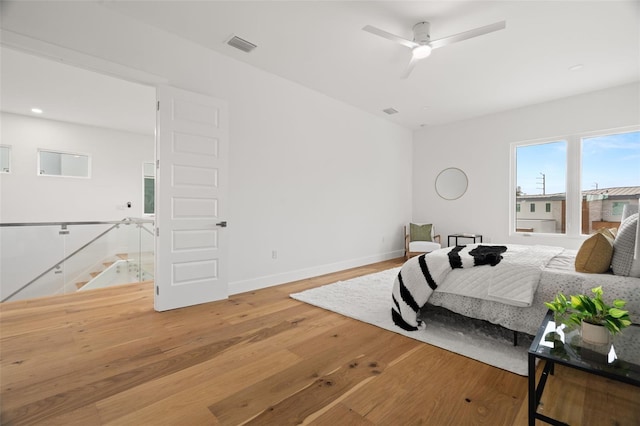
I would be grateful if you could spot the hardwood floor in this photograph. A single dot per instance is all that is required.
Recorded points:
(106, 357)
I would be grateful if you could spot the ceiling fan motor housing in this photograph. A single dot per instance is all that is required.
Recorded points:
(421, 33)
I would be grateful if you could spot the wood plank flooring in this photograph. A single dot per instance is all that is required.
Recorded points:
(105, 357)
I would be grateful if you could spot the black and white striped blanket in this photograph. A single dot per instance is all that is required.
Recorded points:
(421, 275)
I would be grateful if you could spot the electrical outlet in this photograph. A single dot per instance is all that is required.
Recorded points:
(274, 254)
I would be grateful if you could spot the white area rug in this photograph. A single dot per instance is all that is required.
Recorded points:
(368, 299)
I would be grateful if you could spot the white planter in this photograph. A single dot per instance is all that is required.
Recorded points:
(594, 334)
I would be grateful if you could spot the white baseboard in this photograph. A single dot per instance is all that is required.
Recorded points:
(236, 287)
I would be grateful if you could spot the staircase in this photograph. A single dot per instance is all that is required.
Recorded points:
(123, 269)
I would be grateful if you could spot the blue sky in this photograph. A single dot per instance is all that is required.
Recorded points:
(608, 161)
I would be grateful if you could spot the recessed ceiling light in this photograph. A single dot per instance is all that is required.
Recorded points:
(36, 110)
(576, 67)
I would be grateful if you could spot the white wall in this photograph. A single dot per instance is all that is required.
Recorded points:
(117, 159)
(325, 185)
(480, 147)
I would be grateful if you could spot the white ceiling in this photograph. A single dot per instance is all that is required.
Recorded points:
(321, 45)
(67, 93)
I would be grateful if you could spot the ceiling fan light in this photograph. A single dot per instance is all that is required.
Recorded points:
(422, 51)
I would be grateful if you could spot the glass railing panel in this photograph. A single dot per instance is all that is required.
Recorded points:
(87, 263)
(39, 260)
(27, 252)
(146, 250)
(131, 245)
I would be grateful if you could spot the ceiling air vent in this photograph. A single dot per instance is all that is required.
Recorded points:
(390, 111)
(241, 44)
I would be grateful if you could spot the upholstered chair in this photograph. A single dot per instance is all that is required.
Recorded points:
(420, 238)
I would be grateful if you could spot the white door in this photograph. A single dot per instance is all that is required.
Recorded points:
(191, 202)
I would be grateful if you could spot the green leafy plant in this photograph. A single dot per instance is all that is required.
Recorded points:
(592, 309)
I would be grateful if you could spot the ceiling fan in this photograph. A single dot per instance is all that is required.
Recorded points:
(422, 45)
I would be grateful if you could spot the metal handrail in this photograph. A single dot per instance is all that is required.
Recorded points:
(111, 222)
(116, 224)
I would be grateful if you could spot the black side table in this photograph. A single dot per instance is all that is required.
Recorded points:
(554, 344)
(474, 237)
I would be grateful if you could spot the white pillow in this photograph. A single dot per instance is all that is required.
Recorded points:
(623, 262)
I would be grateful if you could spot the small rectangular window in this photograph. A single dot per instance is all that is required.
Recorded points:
(518, 208)
(64, 164)
(149, 182)
(617, 207)
(532, 208)
(547, 207)
(5, 159)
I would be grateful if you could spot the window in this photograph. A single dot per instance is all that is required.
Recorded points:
(66, 164)
(149, 182)
(584, 180)
(5, 159)
(541, 176)
(616, 208)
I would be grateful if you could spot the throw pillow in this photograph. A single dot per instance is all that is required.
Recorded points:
(420, 232)
(594, 256)
(624, 246)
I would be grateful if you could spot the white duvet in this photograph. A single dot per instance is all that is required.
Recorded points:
(513, 281)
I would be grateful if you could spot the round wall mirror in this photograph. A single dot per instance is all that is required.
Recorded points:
(451, 183)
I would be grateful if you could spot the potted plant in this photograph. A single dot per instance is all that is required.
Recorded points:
(592, 313)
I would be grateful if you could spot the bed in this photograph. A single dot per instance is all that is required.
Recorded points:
(476, 290)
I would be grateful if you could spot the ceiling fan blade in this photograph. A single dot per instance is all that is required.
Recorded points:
(377, 31)
(411, 66)
(468, 34)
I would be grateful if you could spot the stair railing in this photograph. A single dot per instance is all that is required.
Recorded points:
(64, 230)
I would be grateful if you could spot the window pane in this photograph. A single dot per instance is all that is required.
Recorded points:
(149, 195)
(610, 178)
(5, 159)
(56, 163)
(541, 176)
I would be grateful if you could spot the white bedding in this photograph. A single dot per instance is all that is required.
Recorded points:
(513, 281)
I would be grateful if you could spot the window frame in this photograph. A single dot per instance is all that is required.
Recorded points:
(513, 184)
(39, 170)
(9, 151)
(145, 176)
(573, 179)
